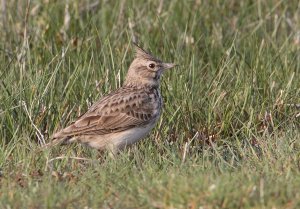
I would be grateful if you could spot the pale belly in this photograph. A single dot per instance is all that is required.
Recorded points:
(119, 140)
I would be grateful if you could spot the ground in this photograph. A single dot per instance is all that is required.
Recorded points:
(229, 136)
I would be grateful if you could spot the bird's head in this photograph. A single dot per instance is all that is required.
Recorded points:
(146, 70)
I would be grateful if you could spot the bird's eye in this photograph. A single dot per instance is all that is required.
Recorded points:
(152, 65)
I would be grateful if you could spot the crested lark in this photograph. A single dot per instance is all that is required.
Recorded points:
(126, 115)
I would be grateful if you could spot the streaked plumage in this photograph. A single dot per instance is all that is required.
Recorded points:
(126, 115)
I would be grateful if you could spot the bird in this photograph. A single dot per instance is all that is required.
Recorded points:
(126, 115)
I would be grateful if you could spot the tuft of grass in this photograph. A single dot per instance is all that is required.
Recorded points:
(229, 134)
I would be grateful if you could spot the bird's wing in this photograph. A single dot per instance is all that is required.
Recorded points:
(116, 112)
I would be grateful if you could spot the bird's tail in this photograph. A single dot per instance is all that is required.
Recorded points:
(58, 141)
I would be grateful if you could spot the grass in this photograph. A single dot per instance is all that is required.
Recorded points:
(229, 136)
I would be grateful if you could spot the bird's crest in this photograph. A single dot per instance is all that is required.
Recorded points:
(143, 54)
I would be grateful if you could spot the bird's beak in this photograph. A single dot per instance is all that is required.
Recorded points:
(168, 65)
